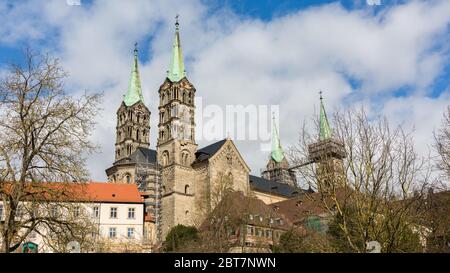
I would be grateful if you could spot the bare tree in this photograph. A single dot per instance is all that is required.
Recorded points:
(375, 191)
(442, 144)
(78, 226)
(44, 134)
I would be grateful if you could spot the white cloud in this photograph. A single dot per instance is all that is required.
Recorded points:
(245, 61)
(422, 114)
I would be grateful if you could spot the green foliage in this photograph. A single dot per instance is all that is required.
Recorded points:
(338, 238)
(179, 237)
(311, 242)
(398, 240)
(290, 242)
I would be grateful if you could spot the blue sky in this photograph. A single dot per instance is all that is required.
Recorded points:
(392, 58)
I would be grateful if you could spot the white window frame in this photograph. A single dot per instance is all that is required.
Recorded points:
(133, 210)
(54, 212)
(132, 233)
(112, 230)
(76, 211)
(111, 212)
(96, 212)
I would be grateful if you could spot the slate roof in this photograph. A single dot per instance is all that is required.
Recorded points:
(272, 187)
(310, 204)
(141, 155)
(208, 151)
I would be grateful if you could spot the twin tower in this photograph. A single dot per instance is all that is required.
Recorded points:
(176, 127)
(135, 162)
(179, 181)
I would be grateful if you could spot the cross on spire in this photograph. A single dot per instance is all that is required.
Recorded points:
(176, 70)
(134, 91)
(324, 126)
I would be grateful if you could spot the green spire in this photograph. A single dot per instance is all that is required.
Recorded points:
(134, 92)
(176, 70)
(277, 153)
(324, 126)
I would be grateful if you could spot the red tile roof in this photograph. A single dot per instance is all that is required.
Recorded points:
(109, 192)
(84, 192)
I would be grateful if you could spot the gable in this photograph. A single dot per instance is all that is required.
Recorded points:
(229, 149)
(205, 153)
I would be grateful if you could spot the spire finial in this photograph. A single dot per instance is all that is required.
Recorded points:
(134, 92)
(176, 69)
(324, 126)
(277, 152)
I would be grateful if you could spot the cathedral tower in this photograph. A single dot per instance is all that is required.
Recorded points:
(278, 169)
(176, 139)
(176, 145)
(133, 117)
(328, 153)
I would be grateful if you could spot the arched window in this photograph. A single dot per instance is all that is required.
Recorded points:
(186, 213)
(168, 131)
(185, 157)
(165, 159)
(128, 178)
(186, 189)
(137, 135)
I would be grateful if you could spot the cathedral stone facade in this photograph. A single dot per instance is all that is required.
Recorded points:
(182, 183)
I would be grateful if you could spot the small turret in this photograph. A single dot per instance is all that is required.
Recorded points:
(327, 153)
(278, 169)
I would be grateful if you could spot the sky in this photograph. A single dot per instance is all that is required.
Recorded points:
(393, 58)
